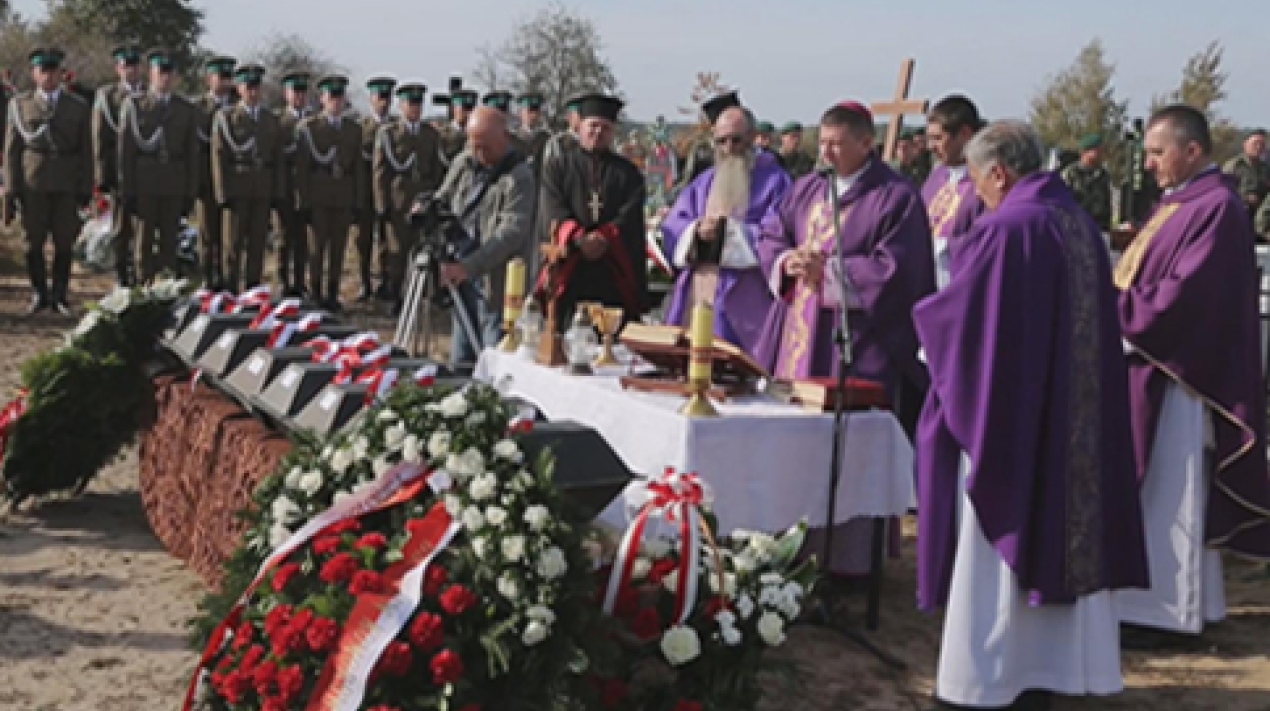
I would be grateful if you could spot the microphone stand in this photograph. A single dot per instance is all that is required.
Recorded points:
(823, 601)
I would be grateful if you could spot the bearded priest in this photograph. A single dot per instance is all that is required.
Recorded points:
(712, 229)
(1188, 308)
(889, 267)
(1028, 513)
(592, 203)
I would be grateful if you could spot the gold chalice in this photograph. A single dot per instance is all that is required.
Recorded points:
(609, 322)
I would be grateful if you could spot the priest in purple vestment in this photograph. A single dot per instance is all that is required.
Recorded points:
(888, 268)
(949, 194)
(1027, 495)
(1189, 312)
(712, 229)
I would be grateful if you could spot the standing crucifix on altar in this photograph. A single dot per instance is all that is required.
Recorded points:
(592, 201)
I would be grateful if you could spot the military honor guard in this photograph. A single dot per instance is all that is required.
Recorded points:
(795, 161)
(406, 162)
(454, 138)
(329, 185)
(105, 113)
(533, 134)
(247, 176)
(219, 74)
(293, 257)
(368, 223)
(159, 166)
(1090, 182)
(48, 174)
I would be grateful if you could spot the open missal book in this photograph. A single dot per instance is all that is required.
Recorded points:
(666, 347)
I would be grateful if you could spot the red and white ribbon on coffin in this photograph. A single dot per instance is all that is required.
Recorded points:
(380, 380)
(676, 498)
(9, 417)
(350, 361)
(376, 619)
(523, 421)
(284, 331)
(271, 316)
(214, 302)
(255, 298)
(325, 350)
(223, 302)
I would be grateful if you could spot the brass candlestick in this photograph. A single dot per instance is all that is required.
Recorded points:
(513, 304)
(700, 364)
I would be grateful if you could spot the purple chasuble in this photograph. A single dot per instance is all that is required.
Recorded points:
(1028, 379)
(952, 207)
(743, 297)
(1191, 314)
(889, 264)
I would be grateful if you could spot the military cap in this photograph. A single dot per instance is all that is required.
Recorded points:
(412, 92)
(127, 54)
(908, 133)
(220, 64)
(250, 74)
(463, 97)
(381, 85)
(296, 80)
(1090, 142)
(919, 132)
(791, 127)
(333, 84)
(532, 100)
(571, 104)
(500, 100)
(765, 127)
(46, 57)
(718, 104)
(161, 58)
(600, 106)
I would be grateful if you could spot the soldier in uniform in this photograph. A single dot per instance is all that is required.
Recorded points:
(532, 133)
(406, 162)
(796, 162)
(569, 136)
(368, 222)
(219, 73)
(501, 100)
(48, 174)
(1090, 182)
(248, 176)
(453, 138)
(1261, 222)
(106, 108)
(330, 185)
(159, 164)
(1251, 170)
(924, 163)
(293, 257)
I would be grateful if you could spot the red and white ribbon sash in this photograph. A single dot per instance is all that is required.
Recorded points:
(380, 380)
(283, 332)
(9, 417)
(270, 316)
(676, 498)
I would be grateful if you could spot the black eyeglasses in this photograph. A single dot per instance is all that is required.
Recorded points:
(728, 140)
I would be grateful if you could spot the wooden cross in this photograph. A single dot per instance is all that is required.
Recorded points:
(899, 107)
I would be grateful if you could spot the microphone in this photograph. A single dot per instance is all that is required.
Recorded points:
(826, 172)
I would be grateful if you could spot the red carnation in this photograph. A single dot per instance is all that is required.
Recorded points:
(366, 582)
(457, 599)
(275, 703)
(321, 635)
(434, 579)
(660, 570)
(686, 705)
(265, 678)
(374, 541)
(612, 693)
(326, 545)
(627, 604)
(447, 668)
(290, 684)
(244, 635)
(277, 618)
(427, 632)
(300, 621)
(251, 659)
(340, 569)
(647, 624)
(286, 641)
(348, 525)
(236, 687)
(396, 660)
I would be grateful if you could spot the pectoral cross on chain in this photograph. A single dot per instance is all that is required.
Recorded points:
(596, 205)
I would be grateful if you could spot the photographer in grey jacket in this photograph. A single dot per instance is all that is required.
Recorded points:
(491, 190)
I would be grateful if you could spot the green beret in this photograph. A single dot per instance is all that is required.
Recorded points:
(792, 127)
(766, 127)
(1090, 142)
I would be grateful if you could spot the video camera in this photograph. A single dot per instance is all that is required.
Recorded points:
(442, 235)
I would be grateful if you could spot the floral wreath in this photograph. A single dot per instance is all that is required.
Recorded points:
(83, 402)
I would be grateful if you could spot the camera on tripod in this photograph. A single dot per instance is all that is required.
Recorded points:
(442, 239)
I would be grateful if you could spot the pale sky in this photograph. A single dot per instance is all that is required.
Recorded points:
(791, 58)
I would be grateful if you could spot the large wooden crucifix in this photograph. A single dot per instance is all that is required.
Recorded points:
(899, 107)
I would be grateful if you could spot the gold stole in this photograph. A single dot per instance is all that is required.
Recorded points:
(943, 208)
(1129, 264)
(799, 323)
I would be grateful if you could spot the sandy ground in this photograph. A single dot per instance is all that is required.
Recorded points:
(93, 612)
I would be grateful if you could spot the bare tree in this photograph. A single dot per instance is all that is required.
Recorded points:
(1081, 100)
(282, 54)
(556, 52)
(1203, 87)
(708, 84)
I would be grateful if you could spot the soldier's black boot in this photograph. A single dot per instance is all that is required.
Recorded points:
(38, 274)
(62, 282)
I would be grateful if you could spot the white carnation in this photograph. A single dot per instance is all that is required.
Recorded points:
(483, 487)
(513, 548)
(86, 324)
(292, 479)
(508, 450)
(388, 416)
(342, 460)
(552, 564)
(497, 516)
(310, 482)
(537, 516)
(680, 645)
(655, 548)
(762, 546)
(412, 450)
(278, 535)
(641, 568)
(117, 301)
(508, 588)
(745, 606)
(473, 520)
(468, 464)
(394, 436)
(381, 465)
(453, 505)
(671, 582)
(771, 628)
(285, 510)
(361, 447)
(771, 579)
(535, 632)
(340, 497)
(525, 479)
(731, 636)
(439, 443)
(480, 546)
(729, 584)
(476, 419)
(744, 563)
(454, 405)
(542, 613)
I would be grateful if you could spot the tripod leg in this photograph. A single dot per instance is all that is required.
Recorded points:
(877, 564)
